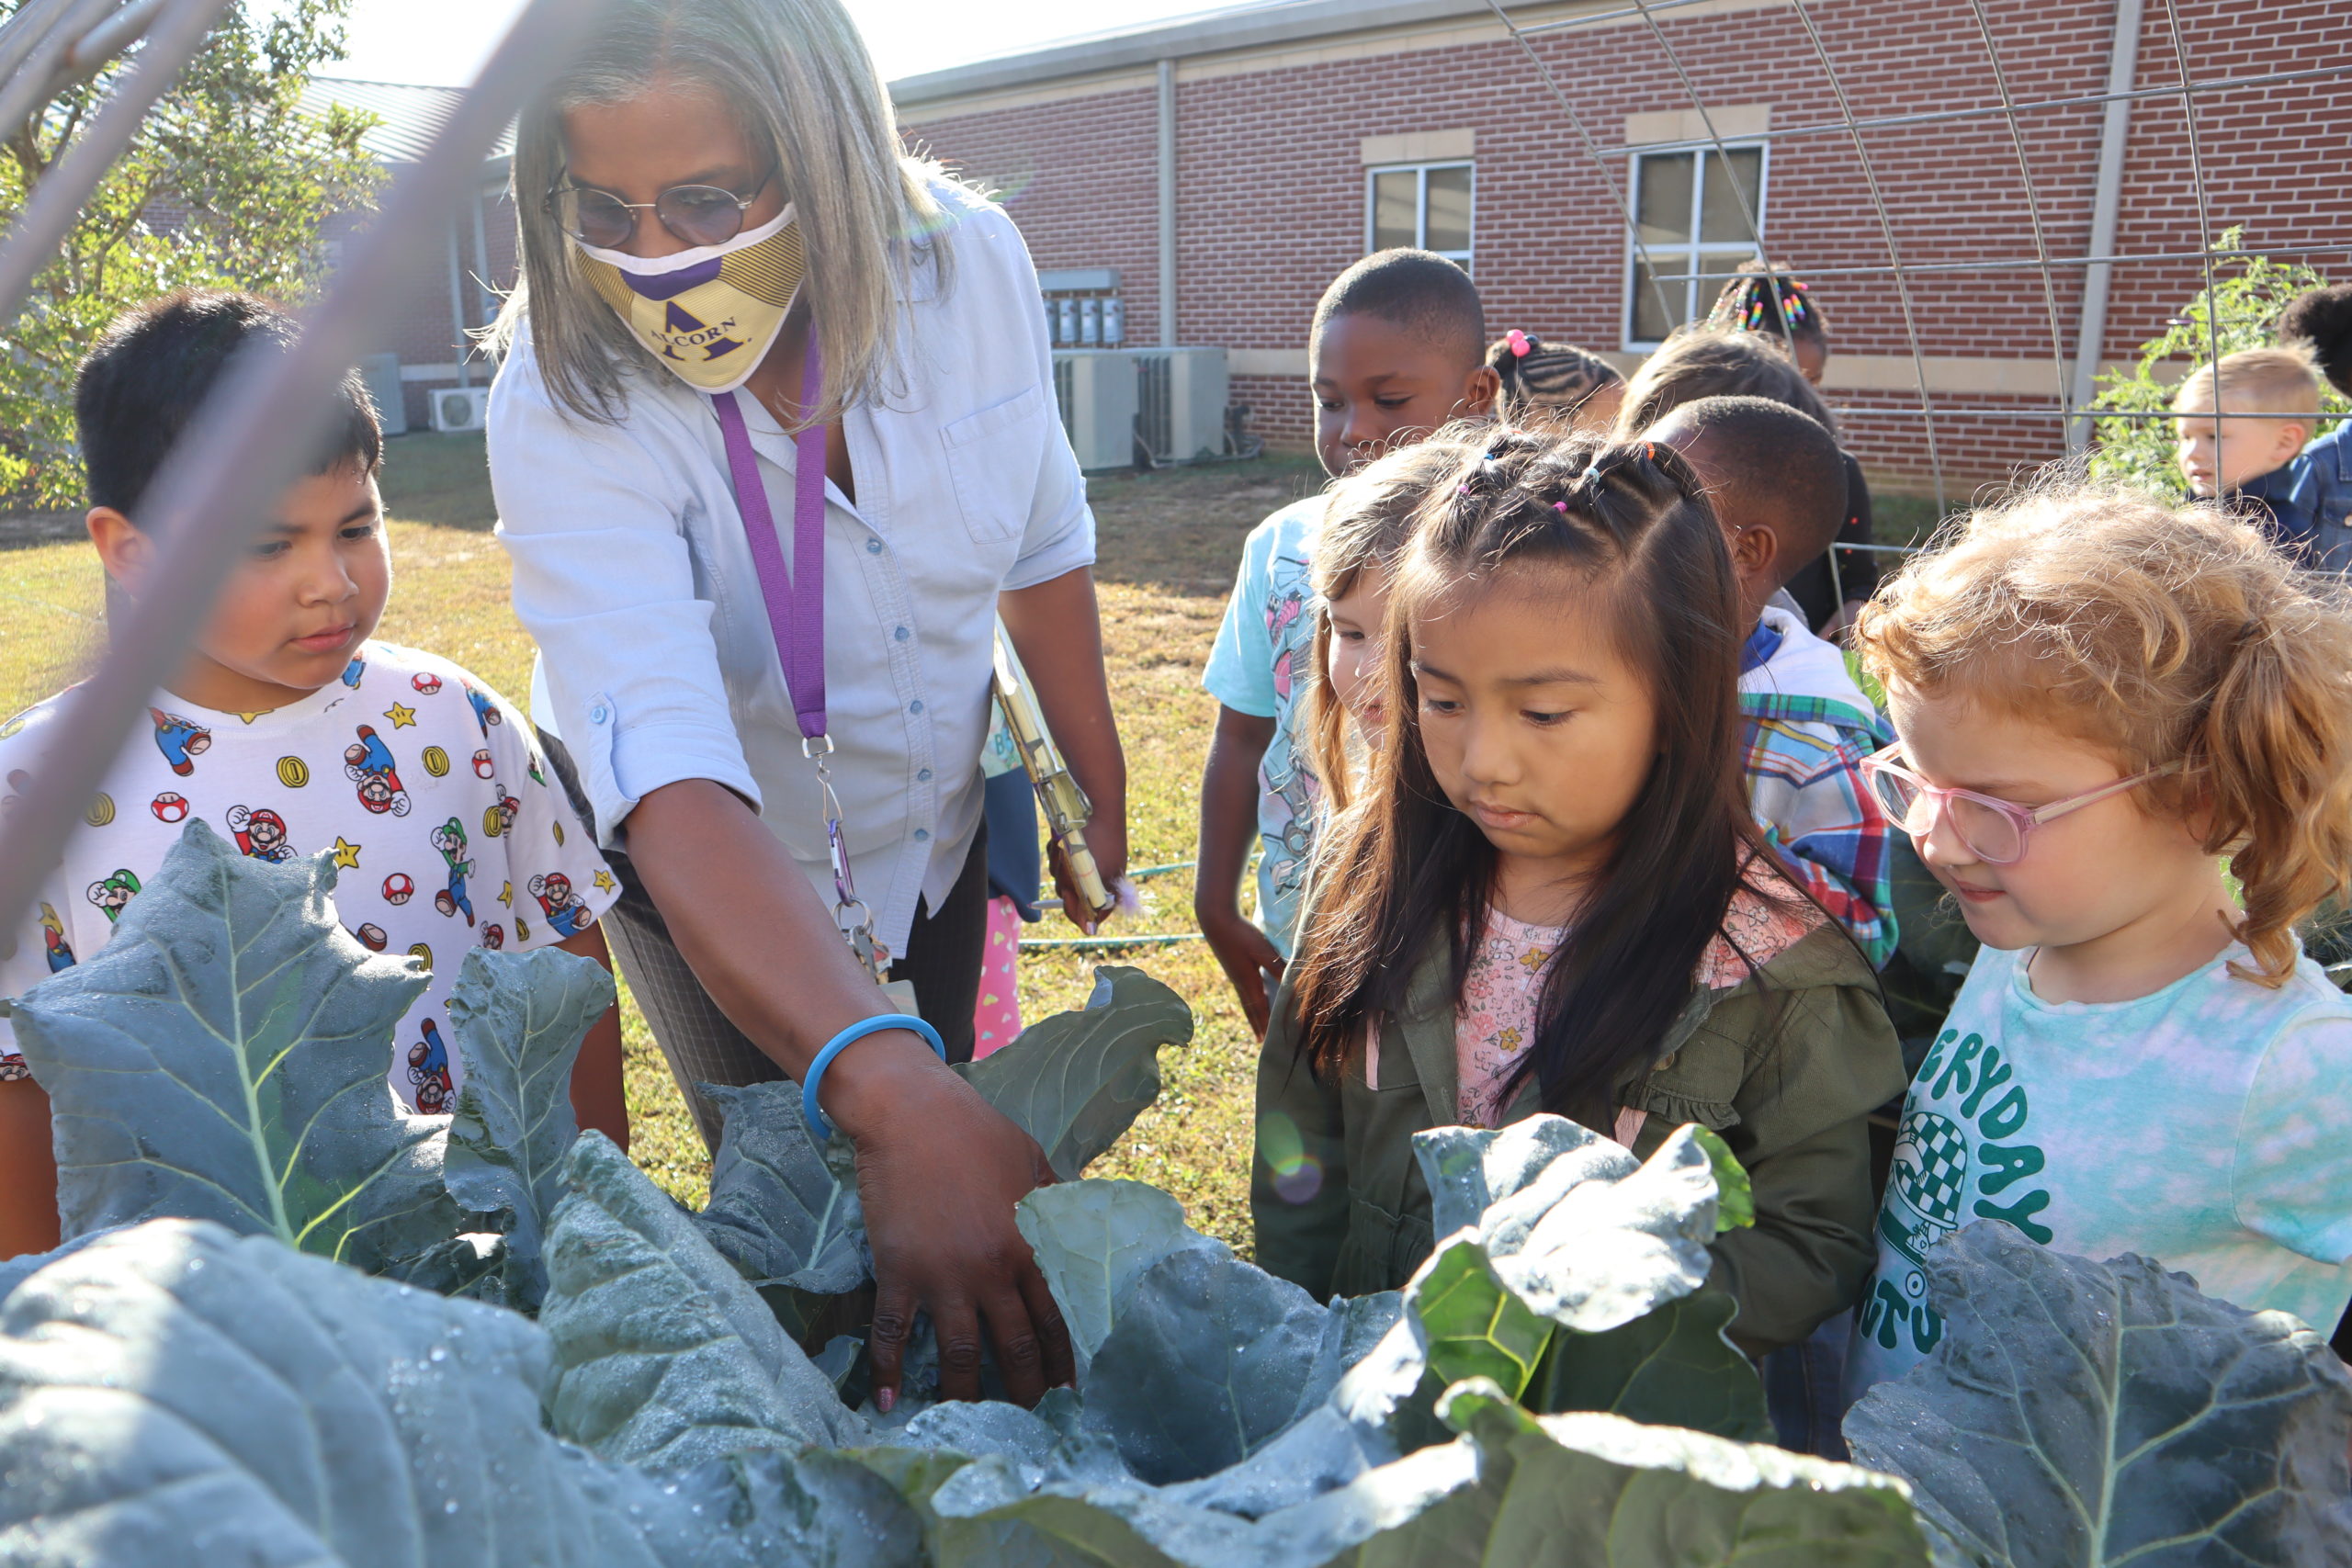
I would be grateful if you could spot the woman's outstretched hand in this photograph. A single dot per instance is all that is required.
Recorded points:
(939, 1170)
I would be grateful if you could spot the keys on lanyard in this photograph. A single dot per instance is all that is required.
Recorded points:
(796, 605)
(850, 913)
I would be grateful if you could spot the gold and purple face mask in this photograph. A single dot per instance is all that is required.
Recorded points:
(712, 314)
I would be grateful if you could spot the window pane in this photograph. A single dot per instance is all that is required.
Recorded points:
(1395, 202)
(1721, 220)
(1662, 204)
(1449, 214)
(1717, 273)
(1652, 318)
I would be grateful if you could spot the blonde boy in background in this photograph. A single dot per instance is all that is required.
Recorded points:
(2241, 423)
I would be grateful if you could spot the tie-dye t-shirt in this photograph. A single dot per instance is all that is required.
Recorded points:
(2201, 1126)
(1257, 666)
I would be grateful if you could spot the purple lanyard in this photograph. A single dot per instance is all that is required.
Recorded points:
(797, 613)
(796, 604)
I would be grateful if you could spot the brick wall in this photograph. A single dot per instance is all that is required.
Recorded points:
(420, 329)
(1271, 184)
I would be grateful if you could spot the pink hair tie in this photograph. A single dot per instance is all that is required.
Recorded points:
(1561, 507)
(1519, 343)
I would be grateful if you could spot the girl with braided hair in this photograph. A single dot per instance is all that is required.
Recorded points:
(1553, 383)
(1553, 898)
(1777, 305)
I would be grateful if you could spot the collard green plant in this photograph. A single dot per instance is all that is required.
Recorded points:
(1077, 1080)
(1094, 1240)
(172, 1393)
(223, 1059)
(1573, 1280)
(667, 1356)
(2082, 1414)
(1593, 1490)
(779, 1209)
(518, 1018)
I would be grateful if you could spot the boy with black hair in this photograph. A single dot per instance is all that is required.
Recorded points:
(1397, 348)
(292, 733)
(1777, 482)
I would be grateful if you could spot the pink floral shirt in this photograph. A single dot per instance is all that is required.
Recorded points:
(1496, 1018)
(1505, 981)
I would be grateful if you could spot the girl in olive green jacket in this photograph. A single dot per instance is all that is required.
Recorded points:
(1552, 897)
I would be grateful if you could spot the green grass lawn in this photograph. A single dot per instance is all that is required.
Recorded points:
(1168, 543)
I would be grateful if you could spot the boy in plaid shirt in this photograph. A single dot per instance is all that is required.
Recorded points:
(1778, 484)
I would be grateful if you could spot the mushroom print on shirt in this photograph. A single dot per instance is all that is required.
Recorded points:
(427, 789)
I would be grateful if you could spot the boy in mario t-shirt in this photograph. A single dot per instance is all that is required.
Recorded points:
(292, 734)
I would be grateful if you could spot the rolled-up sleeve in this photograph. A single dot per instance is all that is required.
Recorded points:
(604, 583)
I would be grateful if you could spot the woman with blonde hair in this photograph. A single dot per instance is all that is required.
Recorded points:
(750, 332)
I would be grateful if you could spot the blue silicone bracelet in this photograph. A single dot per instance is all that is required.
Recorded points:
(841, 1041)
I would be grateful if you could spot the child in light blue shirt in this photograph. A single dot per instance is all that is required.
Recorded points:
(2107, 706)
(1398, 348)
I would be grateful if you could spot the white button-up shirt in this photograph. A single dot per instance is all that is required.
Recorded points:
(657, 663)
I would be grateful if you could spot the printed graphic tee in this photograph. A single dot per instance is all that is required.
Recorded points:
(1259, 665)
(2200, 1125)
(427, 789)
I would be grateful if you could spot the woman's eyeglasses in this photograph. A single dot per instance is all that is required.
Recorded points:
(699, 215)
(1992, 830)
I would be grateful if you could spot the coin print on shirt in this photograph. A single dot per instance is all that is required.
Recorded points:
(428, 793)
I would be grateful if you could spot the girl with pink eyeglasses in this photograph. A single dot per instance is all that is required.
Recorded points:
(2126, 752)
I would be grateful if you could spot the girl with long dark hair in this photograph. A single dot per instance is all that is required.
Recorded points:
(1553, 898)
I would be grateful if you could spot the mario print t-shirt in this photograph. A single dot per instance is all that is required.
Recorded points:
(2200, 1125)
(426, 787)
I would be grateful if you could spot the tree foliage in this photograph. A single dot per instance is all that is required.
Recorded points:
(226, 186)
(2242, 311)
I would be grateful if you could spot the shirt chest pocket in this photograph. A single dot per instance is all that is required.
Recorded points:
(993, 458)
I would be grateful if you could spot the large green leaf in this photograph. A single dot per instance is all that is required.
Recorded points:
(1591, 1491)
(2082, 1414)
(223, 1057)
(1093, 1240)
(779, 1209)
(1573, 1225)
(518, 1018)
(664, 1355)
(1205, 1363)
(1077, 1080)
(171, 1394)
(1670, 1366)
(1475, 1326)
(1125, 1524)
(1559, 1227)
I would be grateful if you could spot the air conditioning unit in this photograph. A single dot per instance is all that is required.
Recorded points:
(460, 407)
(381, 372)
(1181, 398)
(1095, 389)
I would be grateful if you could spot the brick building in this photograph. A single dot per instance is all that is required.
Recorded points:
(1229, 164)
(457, 289)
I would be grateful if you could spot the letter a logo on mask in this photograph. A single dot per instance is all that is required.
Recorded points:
(699, 312)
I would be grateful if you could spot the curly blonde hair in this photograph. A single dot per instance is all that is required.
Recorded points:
(2159, 634)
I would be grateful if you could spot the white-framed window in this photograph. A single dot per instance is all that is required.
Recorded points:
(1428, 207)
(1694, 233)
